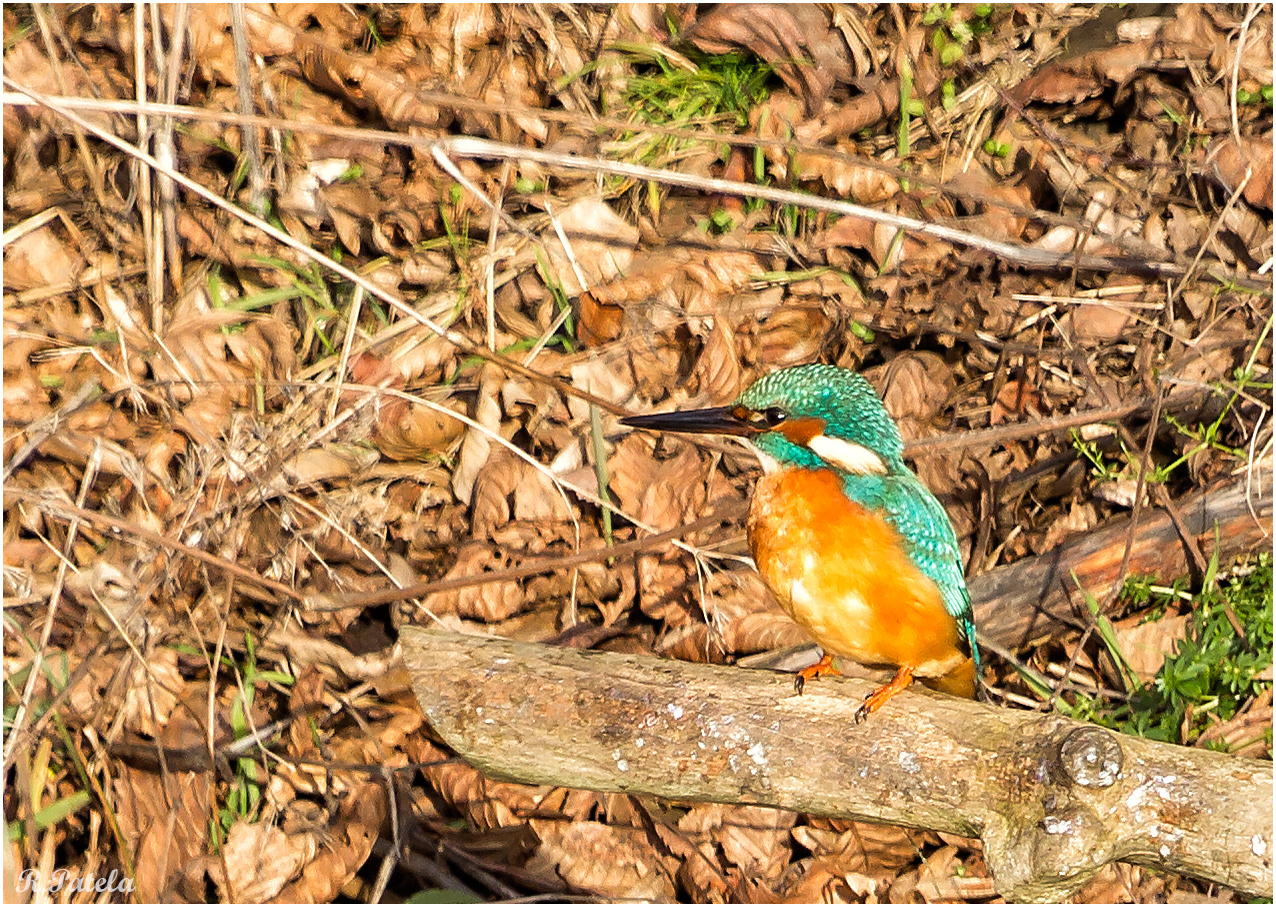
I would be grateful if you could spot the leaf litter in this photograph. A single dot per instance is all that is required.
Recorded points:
(310, 440)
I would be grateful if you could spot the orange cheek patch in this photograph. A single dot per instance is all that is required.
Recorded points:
(801, 431)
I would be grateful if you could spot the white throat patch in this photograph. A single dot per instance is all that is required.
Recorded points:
(847, 455)
(769, 463)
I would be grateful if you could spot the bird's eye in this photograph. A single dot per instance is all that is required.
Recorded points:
(759, 419)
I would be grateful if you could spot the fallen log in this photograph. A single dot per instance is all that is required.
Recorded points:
(1034, 596)
(1053, 800)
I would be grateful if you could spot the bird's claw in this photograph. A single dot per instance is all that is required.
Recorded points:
(820, 668)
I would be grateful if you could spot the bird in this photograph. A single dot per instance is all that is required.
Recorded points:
(851, 543)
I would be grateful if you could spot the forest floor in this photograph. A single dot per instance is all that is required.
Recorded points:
(1043, 233)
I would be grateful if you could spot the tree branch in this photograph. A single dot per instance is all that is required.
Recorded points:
(1052, 799)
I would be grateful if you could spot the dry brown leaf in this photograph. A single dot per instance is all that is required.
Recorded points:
(849, 232)
(210, 45)
(614, 862)
(682, 287)
(742, 889)
(412, 431)
(777, 118)
(1115, 883)
(419, 355)
(347, 843)
(260, 859)
(509, 480)
(579, 805)
(324, 464)
(662, 588)
(861, 846)
(1102, 220)
(1146, 645)
(847, 179)
(903, 889)
(889, 248)
(601, 244)
(1072, 79)
(544, 405)
(1197, 31)
(597, 323)
(690, 638)
(39, 259)
(26, 398)
(80, 447)
(26, 64)
(153, 692)
(270, 35)
(348, 205)
(1213, 109)
(388, 741)
(503, 79)
(196, 349)
(707, 278)
(1232, 162)
(487, 602)
(1186, 229)
(1098, 324)
(477, 446)
(492, 488)
(1209, 365)
(762, 632)
(1016, 399)
(892, 249)
(454, 29)
(699, 871)
(914, 387)
(110, 595)
(1079, 518)
(660, 493)
(938, 879)
(790, 336)
(657, 368)
(993, 220)
(753, 838)
(307, 690)
(717, 370)
(819, 881)
(602, 375)
(164, 818)
(488, 804)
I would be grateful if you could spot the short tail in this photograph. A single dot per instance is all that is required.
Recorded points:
(960, 681)
(969, 641)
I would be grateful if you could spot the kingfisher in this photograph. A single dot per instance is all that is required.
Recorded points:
(852, 544)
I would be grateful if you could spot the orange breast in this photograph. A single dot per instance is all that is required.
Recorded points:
(842, 573)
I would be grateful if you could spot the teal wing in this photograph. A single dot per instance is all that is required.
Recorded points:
(924, 524)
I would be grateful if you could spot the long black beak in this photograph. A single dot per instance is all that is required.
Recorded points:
(720, 420)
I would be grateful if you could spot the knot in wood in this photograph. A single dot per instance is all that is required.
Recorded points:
(1091, 757)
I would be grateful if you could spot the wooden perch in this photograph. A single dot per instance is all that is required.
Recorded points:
(1052, 799)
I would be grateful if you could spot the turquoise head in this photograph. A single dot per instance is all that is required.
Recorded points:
(807, 416)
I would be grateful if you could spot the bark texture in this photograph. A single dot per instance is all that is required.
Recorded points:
(1052, 799)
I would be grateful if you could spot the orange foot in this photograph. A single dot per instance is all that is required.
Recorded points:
(819, 669)
(903, 677)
